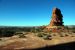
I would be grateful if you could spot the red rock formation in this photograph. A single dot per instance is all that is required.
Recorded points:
(56, 19)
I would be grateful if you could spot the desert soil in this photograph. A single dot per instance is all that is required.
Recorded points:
(31, 41)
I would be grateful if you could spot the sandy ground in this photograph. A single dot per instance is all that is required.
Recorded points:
(31, 41)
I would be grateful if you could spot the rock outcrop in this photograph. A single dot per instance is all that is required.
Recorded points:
(57, 19)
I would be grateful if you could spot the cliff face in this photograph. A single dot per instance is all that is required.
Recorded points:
(57, 18)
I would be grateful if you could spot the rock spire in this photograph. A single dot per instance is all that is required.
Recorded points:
(57, 19)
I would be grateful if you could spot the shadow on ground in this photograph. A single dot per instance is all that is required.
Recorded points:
(66, 46)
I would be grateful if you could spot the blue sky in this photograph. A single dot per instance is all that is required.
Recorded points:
(34, 12)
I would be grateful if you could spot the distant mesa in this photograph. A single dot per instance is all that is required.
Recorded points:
(57, 19)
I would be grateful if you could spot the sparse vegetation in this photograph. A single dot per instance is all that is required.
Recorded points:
(66, 35)
(10, 31)
(73, 31)
(72, 36)
(61, 35)
(0, 39)
(18, 33)
(54, 34)
(44, 36)
(6, 33)
(22, 36)
(47, 37)
(35, 35)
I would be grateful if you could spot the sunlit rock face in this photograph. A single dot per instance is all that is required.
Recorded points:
(57, 19)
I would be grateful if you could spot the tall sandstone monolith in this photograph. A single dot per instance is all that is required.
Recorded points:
(57, 19)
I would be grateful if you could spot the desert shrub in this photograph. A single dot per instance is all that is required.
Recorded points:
(34, 30)
(0, 39)
(66, 27)
(37, 29)
(22, 36)
(66, 35)
(47, 37)
(73, 31)
(44, 36)
(39, 34)
(61, 35)
(18, 33)
(7, 33)
(26, 33)
(1, 33)
(54, 34)
(27, 29)
(70, 33)
(72, 36)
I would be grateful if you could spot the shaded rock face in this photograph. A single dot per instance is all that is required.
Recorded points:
(57, 18)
